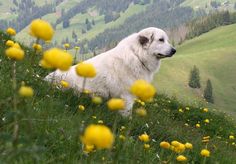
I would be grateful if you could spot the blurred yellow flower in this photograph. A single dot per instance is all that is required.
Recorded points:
(15, 53)
(165, 145)
(146, 146)
(57, 58)
(205, 110)
(25, 91)
(86, 70)
(67, 45)
(77, 48)
(9, 43)
(187, 108)
(16, 45)
(141, 112)
(100, 121)
(198, 125)
(188, 146)
(37, 47)
(181, 158)
(175, 143)
(64, 84)
(144, 138)
(122, 137)
(99, 136)
(44, 64)
(206, 121)
(41, 30)
(116, 104)
(206, 137)
(81, 107)
(231, 137)
(143, 90)
(97, 100)
(11, 31)
(88, 148)
(205, 153)
(181, 110)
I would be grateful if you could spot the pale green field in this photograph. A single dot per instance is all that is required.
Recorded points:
(214, 54)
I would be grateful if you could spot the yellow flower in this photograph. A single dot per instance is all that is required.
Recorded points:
(67, 45)
(41, 29)
(143, 90)
(88, 148)
(205, 153)
(181, 110)
(25, 91)
(144, 137)
(100, 121)
(44, 64)
(77, 48)
(97, 100)
(205, 110)
(198, 125)
(9, 43)
(187, 108)
(81, 107)
(85, 70)
(99, 136)
(56, 58)
(37, 47)
(11, 31)
(165, 145)
(64, 84)
(205, 141)
(188, 146)
(181, 158)
(122, 137)
(141, 112)
(180, 148)
(146, 146)
(207, 137)
(175, 143)
(15, 53)
(116, 104)
(231, 137)
(16, 45)
(86, 91)
(206, 121)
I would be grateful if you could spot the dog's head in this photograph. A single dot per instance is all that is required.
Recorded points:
(155, 41)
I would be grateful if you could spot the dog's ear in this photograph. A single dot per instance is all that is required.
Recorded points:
(143, 40)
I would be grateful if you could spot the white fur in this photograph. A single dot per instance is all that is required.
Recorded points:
(118, 68)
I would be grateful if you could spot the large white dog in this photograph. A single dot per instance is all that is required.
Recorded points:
(135, 57)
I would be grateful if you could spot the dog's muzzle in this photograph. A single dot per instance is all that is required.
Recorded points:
(170, 54)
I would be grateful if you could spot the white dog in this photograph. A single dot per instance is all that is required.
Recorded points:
(135, 57)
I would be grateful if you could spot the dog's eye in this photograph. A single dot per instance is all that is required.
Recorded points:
(161, 39)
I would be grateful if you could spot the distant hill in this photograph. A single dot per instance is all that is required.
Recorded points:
(214, 54)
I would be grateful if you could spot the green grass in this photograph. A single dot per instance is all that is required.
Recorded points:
(50, 124)
(214, 54)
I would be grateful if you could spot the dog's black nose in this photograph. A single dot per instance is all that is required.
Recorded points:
(173, 51)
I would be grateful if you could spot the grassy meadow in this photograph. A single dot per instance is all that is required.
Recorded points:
(51, 123)
(215, 55)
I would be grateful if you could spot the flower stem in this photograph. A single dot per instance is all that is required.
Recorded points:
(16, 124)
(75, 57)
(35, 52)
(83, 85)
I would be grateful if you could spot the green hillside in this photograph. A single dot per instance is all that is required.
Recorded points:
(206, 4)
(48, 126)
(214, 54)
(77, 23)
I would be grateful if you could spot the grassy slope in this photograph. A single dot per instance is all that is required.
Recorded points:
(214, 54)
(78, 22)
(201, 3)
(50, 125)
